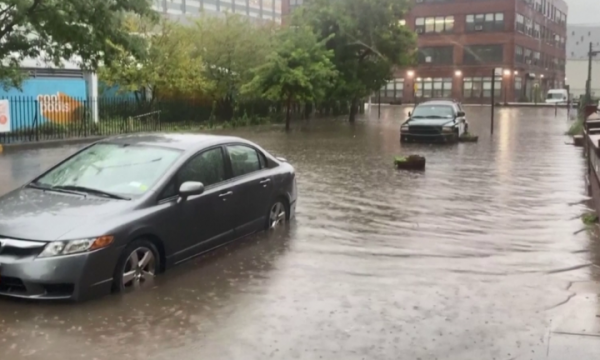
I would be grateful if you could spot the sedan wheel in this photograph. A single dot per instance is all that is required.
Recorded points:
(140, 267)
(277, 215)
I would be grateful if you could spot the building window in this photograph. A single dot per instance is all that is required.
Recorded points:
(392, 90)
(240, 7)
(518, 83)
(402, 22)
(520, 23)
(398, 89)
(438, 24)
(519, 54)
(528, 26)
(434, 88)
(536, 30)
(485, 22)
(481, 88)
(482, 54)
(524, 25)
(295, 3)
(429, 25)
(440, 55)
(536, 58)
(527, 56)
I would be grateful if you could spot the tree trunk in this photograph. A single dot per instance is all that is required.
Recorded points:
(287, 115)
(353, 109)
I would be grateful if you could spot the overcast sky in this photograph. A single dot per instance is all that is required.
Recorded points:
(584, 12)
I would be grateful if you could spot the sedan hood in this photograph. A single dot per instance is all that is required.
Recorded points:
(429, 122)
(33, 214)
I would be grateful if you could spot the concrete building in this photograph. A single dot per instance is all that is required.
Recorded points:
(578, 46)
(267, 10)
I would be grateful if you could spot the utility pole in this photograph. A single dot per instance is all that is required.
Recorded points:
(588, 84)
(379, 105)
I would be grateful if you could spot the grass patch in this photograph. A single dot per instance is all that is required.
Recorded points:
(589, 218)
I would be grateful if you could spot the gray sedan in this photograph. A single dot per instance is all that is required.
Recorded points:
(122, 210)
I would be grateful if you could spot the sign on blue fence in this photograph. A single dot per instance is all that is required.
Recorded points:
(4, 116)
(46, 100)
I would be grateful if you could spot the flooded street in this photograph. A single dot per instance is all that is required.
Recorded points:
(471, 259)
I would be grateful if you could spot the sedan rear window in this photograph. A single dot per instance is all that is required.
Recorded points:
(433, 111)
(244, 160)
(115, 168)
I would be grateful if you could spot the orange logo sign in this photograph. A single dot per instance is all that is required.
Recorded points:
(59, 108)
(4, 116)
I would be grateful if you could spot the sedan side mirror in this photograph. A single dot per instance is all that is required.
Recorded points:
(409, 114)
(460, 114)
(190, 188)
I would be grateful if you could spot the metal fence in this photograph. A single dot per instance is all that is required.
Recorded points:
(60, 117)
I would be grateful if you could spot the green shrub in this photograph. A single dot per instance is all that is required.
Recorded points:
(576, 128)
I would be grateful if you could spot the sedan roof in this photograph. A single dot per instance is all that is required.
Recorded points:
(439, 102)
(174, 141)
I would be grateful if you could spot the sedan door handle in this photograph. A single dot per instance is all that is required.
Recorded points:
(265, 182)
(224, 195)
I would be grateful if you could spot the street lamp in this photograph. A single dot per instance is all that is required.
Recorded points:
(410, 73)
(458, 73)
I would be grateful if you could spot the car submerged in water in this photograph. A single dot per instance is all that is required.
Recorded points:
(122, 210)
(435, 121)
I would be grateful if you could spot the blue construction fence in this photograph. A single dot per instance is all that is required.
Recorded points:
(59, 116)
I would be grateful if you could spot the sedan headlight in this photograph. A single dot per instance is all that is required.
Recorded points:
(404, 128)
(448, 128)
(57, 248)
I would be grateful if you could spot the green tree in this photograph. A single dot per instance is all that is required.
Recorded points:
(299, 70)
(62, 29)
(230, 46)
(367, 39)
(171, 66)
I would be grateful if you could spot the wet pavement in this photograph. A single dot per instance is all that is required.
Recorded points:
(475, 258)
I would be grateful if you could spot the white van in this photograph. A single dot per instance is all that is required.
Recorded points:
(557, 96)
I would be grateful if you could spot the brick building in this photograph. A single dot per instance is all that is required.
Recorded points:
(461, 42)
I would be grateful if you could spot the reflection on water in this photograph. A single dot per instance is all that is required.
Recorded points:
(458, 262)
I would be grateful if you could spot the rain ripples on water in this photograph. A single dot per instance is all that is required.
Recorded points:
(461, 261)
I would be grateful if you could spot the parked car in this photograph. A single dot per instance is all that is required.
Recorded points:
(122, 210)
(435, 121)
(557, 96)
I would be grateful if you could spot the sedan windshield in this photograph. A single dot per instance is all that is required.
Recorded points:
(111, 168)
(433, 111)
(555, 96)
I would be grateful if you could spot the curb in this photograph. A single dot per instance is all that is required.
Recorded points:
(5, 148)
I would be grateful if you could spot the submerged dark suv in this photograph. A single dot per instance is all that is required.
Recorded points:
(435, 121)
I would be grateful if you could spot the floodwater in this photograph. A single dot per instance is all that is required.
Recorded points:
(470, 259)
